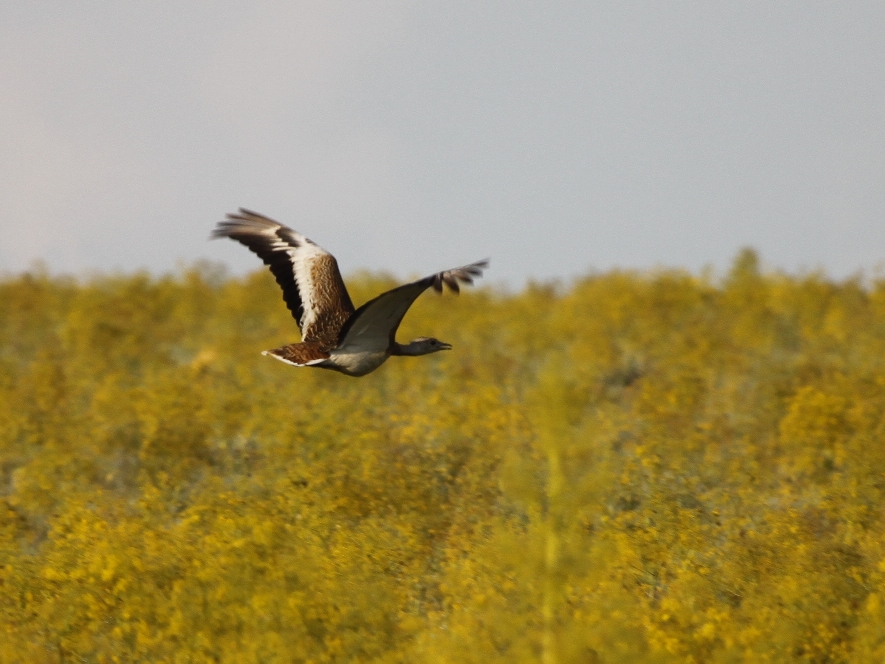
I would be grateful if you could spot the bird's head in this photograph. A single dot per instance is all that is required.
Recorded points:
(424, 346)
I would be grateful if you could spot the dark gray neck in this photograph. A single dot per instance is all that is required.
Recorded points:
(405, 349)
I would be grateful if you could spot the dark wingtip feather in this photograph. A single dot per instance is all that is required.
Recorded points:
(242, 224)
(223, 229)
(245, 213)
(475, 269)
(460, 275)
(451, 280)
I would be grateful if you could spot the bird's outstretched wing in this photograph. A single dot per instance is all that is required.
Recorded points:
(308, 274)
(374, 324)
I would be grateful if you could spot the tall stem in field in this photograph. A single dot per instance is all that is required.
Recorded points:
(551, 550)
(556, 409)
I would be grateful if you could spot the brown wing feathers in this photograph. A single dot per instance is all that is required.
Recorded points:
(303, 354)
(268, 239)
(308, 275)
(329, 298)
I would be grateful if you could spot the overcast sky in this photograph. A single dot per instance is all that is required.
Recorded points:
(555, 137)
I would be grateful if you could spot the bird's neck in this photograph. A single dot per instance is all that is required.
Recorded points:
(405, 349)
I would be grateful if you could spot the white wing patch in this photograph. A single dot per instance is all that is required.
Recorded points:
(303, 259)
(300, 257)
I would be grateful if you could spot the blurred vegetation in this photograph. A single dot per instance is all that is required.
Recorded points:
(639, 467)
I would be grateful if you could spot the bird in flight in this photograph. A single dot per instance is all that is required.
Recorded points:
(334, 335)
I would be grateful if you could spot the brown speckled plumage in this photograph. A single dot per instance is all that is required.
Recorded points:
(331, 301)
(303, 354)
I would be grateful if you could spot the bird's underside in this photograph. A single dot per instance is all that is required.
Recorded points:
(334, 334)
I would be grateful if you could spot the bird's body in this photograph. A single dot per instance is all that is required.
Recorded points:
(334, 335)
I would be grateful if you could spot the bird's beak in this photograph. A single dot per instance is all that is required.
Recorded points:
(444, 346)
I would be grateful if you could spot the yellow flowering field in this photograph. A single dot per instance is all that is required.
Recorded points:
(635, 467)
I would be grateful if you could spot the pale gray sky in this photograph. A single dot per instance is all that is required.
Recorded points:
(555, 137)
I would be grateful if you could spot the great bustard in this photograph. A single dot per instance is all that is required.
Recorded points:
(333, 334)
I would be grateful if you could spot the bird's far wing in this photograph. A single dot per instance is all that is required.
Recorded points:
(374, 324)
(312, 286)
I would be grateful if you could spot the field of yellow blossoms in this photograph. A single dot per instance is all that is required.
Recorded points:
(635, 467)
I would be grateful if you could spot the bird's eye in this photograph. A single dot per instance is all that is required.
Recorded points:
(434, 342)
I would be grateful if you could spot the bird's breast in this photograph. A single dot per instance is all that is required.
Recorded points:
(357, 363)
